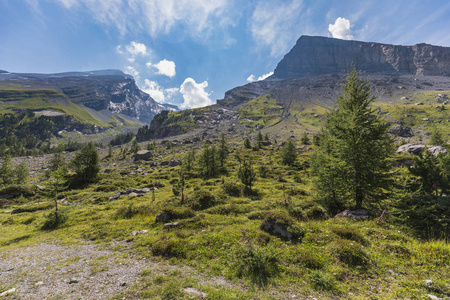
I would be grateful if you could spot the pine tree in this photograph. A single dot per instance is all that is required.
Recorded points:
(247, 176)
(247, 143)
(304, 139)
(289, 153)
(222, 152)
(436, 138)
(22, 173)
(85, 164)
(208, 161)
(6, 171)
(351, 162)
(135, 146)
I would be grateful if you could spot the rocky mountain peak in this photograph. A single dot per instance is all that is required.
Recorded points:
(314, 56)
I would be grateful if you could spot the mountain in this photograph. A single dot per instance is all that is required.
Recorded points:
(307, 81)
(105, 90)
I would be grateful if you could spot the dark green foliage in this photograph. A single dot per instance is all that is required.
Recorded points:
(257, 263)
(259, 139)
(351, 162)
(247, 143)
(247, 176)
(316, 139)
(350, 253)
(54, 220)
(436, 137)
(21, 172)
(188, 163)
(304, 139)
(135, 146)
(168, 145)
(121, 138)
(322, 281)
(208, 162)
(85, 164)
(110, 151)
(289, 153)
(200, 199)
(316, 212)
(427, 215)
(222, 152)
(263, 171)
(151, 146)
(6, 171)
(434, 172)
(232, 189)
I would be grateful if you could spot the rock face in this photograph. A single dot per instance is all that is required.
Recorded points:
(417, 148)
(110, 90)
(313, 56)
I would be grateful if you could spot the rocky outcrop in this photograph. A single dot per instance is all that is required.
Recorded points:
(314, 55)
(417, 148)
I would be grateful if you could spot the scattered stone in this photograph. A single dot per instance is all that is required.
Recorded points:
(281, 144)
(73, 280)
(108, 171)
(400, 130)
(174, 163)
(136, 232)
(143, 155)
(357, 214)
(123, 284)
(172, 225)
(433, 297)
(425, 119)
(405, 98)
(428, 282)
(436, 150)
(417, 148)
(419, 103)
(8, 292)
(164, 164)
(40, 187)
(195, 292)
(130, 192)
(39, 283)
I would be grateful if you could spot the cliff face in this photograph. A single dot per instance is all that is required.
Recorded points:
(99, 90)
(313, 56)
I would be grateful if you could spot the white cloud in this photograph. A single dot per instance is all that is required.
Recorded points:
(135, 49)
(194, 94)
(165, 67)
(132, 71)
(158, 93)
(341, 29)
(119, 49)
(197, 17)
(262, 77)
(275, 24)
(251, 78)
(131, 60)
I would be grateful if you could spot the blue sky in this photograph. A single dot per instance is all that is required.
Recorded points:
(190, 52)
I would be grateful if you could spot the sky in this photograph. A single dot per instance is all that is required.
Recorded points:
(190, 52)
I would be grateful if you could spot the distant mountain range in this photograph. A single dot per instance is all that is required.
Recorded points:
(103, 90)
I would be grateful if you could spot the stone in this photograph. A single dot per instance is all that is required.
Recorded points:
(417, 148)
(400, 130)
(162, 217)
(108, 171)
(123, 284)
(73, 280)
(143, 155)
(39, 283)
(428, 282)
(8, 292)
(40, 187)
(195, 292)
(433, 297)
(174, 163)
(171, 225)
(357, 214)
(164, 163)
(436, 150)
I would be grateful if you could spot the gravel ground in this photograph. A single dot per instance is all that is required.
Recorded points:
(53, 271)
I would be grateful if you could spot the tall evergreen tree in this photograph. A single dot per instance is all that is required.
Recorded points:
(222, 152)
(350, 163)
(208, 161)
(247, 176)
(289, 153)
(85, 164)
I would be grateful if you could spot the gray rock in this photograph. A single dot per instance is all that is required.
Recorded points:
(165, 163)
(8, 292)
(172, 225)
(436, 150)
(400, 130)
(108, 171)
(123, 284)
(357, 214)
(428, 282)
(195, 292)
(174, 163)
(417, 148)
(143, 155)
(162, 217)
(39, 283)
(73, 280)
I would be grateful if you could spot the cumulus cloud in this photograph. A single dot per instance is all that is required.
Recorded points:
(275, 24)
(251, 78)
(341, 29)
(158, 93)
(165, 67)
(135, 48)
(194, 94)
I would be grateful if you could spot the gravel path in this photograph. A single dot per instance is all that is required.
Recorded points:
(53, 271)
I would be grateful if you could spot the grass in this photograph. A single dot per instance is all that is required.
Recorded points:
(220, 235)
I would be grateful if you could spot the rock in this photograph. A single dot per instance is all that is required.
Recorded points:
(281, 144)
(108, 171)
(130, 192)
(174, 163)
(428, 282)
(357, 214)
(172, 225)
(123, 284)
(8, 292)
(195, 292)
(400, 130)
(136, 232)
(40, 187)
(39, 283)
(425, 119)
(73, 280)
(266, 143)
(162, 217)
(143, 155)
(164, 164)
(433, 297)
(417, 148)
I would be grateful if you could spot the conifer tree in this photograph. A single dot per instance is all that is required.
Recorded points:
(247, 176)
(208, 161)
(6, 171)
(350, 163)
(85, 164)
(247, 143)
(222, 152)
(289, 153)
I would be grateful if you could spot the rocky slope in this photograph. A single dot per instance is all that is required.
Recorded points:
(313, 56)
(110, 90)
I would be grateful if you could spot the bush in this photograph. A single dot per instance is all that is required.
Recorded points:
(322, 281)
(54, 220)
(232, 189)
(257, 263)
(350, 253)
(200, 199)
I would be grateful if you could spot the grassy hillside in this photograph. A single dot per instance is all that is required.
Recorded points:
(218, 232)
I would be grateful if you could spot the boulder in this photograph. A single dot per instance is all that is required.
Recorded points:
(417, 148)
(174, 163)
(357, 214)
(400, 130)
(436, 150)
(195, 292)
(165, 163)
(162, 217)
(274, 228)
(143, 155)
(266, 143)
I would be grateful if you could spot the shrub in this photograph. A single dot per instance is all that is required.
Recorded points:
(322, 281)
(232, 189)
(350, 253)
(257, 263)
(200, 199)
(54, 220)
